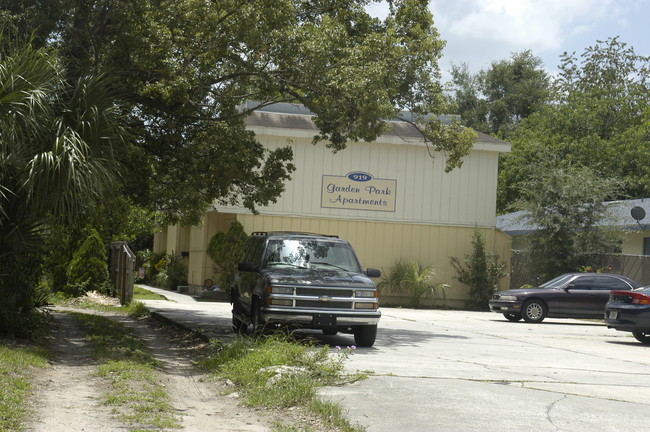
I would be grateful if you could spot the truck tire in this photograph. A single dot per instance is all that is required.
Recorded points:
(365, 336)
(238, 327)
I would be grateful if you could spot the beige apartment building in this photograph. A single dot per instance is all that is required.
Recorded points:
(388, 198)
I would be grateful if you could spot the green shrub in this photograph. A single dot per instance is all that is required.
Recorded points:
(414, 279)
(153, 266)
(176, 272)
(481, 271)
(224, 249)
(88, 269)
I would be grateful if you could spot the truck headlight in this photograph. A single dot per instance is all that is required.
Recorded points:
(365, 293)
(282, 290)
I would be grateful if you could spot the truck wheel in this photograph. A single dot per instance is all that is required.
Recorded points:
(238, 327)
(365, 336)
(258, 325)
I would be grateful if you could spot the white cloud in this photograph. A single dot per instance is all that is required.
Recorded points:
(536, 24)
(479, 32)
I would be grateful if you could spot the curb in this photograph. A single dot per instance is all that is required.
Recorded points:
(162, 318)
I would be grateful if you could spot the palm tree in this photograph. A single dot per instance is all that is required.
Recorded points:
(57, 146)
(414, 279)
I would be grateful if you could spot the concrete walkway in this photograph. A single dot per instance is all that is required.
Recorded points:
(209, 318)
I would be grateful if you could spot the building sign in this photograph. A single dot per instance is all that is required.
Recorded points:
(358, 191)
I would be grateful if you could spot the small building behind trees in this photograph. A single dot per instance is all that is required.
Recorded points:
(631, 217)
(389, 198)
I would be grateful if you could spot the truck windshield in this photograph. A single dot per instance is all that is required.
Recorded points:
(314, 254)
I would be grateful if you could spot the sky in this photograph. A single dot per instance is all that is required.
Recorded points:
(479, 32)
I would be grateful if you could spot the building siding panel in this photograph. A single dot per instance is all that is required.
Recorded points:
(425, 194)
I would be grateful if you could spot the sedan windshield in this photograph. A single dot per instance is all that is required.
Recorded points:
(311, 254)
(558, 282)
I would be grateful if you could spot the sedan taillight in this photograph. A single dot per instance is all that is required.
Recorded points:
(631, 297)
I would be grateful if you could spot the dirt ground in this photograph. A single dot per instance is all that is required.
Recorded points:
(67, 396)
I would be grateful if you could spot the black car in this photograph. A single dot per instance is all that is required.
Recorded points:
(305, 280)
(571, 295)
(630, 311)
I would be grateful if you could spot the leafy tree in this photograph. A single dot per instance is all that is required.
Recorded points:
(566, 206)
(225, 250)
(57, 142)
(599, 118)
(481, 271)
(495, 100)
(188, 67)
(414, 279)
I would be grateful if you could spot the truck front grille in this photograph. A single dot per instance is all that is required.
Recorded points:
(320, 304)
(321, 291)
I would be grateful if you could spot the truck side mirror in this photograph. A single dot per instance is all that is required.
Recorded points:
(246, 267)
(373, 272)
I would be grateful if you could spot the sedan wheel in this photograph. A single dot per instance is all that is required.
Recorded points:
(643, 337)
(534, 311)
(514, 317)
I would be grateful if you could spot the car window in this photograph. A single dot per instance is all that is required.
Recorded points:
(557, 282)
(321, 254)
(245, 251)
(253, 250)
(256, 251)
(604, 283)
(611, 283)
(586, 282)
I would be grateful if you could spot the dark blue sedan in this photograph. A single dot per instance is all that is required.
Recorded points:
(630, 311)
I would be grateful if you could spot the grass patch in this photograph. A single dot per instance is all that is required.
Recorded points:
(135, 392)
(279, 372)
(136, 395)
(332, 415)
(113, 341)
(140, 293)
(16, 365)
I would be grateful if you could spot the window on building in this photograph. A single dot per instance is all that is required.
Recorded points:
(646, 246)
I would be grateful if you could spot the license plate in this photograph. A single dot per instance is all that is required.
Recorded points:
(613, 314)
(324, 319)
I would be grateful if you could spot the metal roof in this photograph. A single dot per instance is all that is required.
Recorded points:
(620, 211)
(297, 117)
